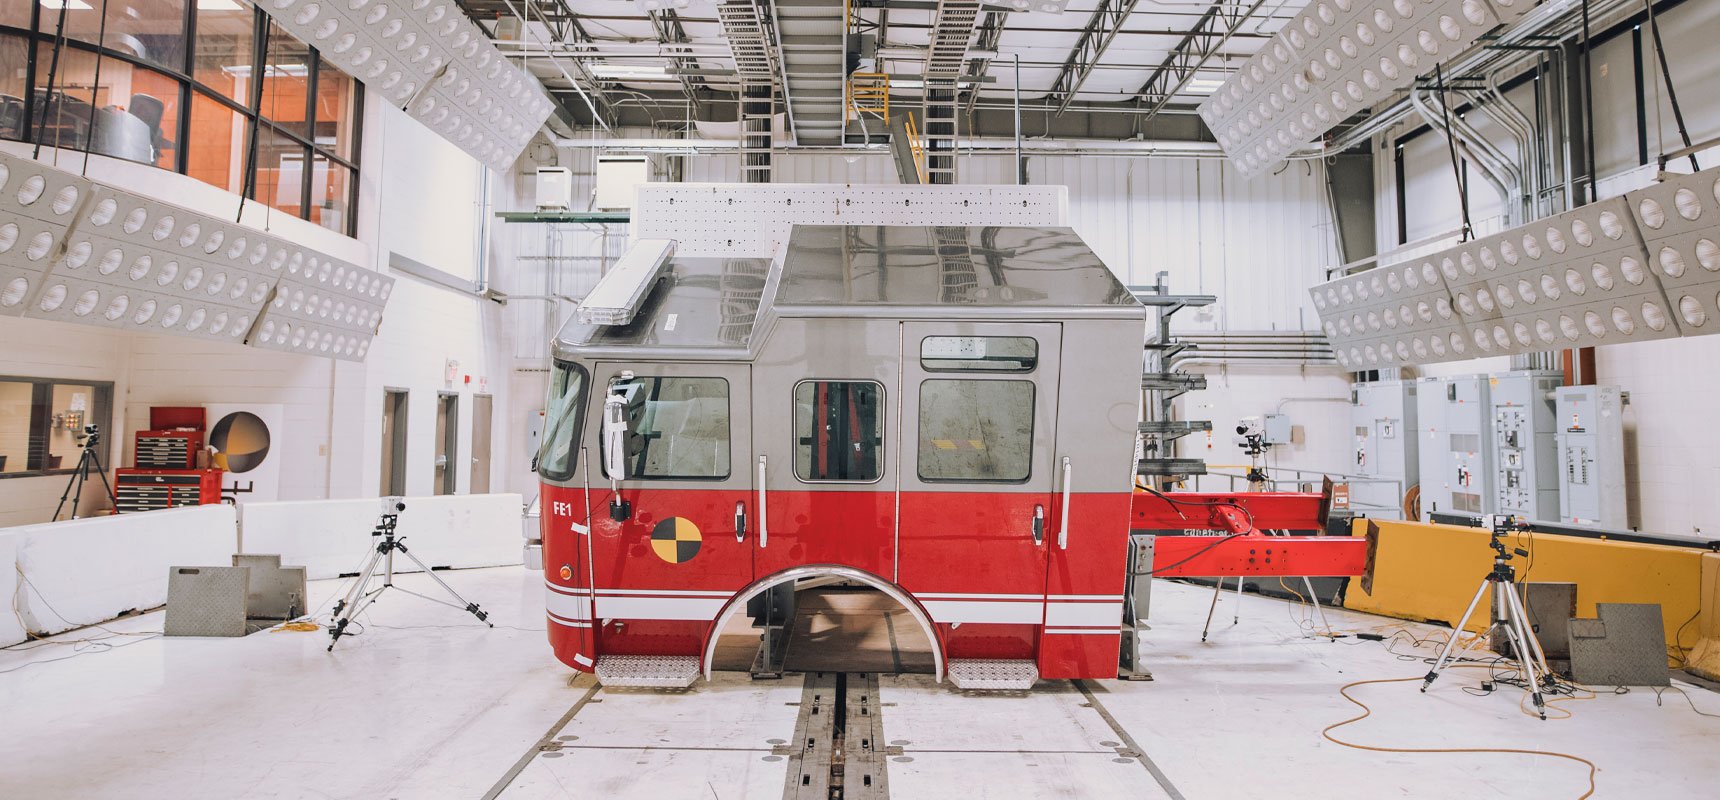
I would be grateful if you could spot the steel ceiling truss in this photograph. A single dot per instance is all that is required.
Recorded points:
(563, 26)
(1203, 41)
(985, 40)
(669, 30)
(1106, 21)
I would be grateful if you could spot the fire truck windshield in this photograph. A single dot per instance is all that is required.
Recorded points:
(564, 411)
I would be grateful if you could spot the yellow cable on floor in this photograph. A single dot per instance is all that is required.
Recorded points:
(304, 627)
(1367, 712)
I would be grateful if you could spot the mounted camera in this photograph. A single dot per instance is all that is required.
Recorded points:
(90, 436)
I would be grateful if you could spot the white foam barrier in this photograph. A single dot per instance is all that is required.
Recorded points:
(85, 571)
(332, 537)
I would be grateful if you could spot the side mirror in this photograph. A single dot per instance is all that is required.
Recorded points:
(615, 446)
(615, 435)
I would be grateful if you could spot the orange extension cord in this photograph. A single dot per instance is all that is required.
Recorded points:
(1367, 712)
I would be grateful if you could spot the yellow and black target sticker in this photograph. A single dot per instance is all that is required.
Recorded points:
(676, 540)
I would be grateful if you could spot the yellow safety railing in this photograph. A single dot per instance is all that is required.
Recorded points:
(916, 146)
(869, 93)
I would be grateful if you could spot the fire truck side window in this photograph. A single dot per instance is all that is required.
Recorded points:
(563, 413)
(677, 428)
(975, 431)
(838, 431)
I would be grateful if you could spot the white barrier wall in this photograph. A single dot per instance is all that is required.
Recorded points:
(86, 571)
(332, 537)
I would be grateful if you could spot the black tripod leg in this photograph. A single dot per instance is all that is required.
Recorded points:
(470, 608)
(102, 473)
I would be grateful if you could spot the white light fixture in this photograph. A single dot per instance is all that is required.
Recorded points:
(628, 71)
(1333, 59)
(1202, 85)
(427, 58)
(1638, 267)
(75, 250)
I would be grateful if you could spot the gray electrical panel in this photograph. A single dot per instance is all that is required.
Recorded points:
(1383, 417)
(1455, 447)
(1525, 480)
(1590, 443)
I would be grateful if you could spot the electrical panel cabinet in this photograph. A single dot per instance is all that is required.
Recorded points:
(1455, 445)
(1525, 482)
(1590, 443)
(1383, 416)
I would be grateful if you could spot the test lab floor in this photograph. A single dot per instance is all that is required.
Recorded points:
(426, 703)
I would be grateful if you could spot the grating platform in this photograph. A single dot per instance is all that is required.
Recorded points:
(653, 672)
(998, 674)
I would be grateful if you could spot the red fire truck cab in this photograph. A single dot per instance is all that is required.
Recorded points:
(947, 414)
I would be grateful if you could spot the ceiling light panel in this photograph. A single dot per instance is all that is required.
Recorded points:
(293, 335)
(430, 60)
(37, 207)
(1680, 222)
(1387, 315)
(1334, 59)
(79, 251)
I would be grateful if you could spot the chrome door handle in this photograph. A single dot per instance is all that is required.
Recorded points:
(740, 522)
(1039, 524)
(1063, 529)
(763, 524)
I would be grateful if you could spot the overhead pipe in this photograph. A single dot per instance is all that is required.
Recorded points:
(1092, 147)
(1491, 163)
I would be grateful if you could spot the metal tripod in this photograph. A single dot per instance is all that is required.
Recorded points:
(1254, 447)
(89, 462)
(360, 597)
(1508, 614)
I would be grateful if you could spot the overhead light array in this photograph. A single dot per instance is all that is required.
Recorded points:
(1638, 267)
(1334, 59)
(430, 60)
(74, 250)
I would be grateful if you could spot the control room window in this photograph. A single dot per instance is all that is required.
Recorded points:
(677, 428)
(838, 431)
(979, 353)
(564, 412)
(43, 424)
(976, 431)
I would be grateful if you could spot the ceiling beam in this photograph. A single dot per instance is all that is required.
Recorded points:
(1101, 28)
(1203, 41)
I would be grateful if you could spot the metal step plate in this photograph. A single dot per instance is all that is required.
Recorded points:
(993, 673)
(652, 672)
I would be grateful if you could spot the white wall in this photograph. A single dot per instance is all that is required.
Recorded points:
(1672, 455)
(418, 196)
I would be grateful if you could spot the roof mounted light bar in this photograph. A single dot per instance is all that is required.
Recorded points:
(619, 294)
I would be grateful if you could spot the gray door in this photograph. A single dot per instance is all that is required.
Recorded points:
(481, 406)
(393, 442)
(447, 442)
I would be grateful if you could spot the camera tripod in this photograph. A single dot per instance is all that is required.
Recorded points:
(1508, 614)
(360, 597)
(89, 462)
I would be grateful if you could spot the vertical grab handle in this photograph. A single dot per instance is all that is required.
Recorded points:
(763, 526)
(1063, 528)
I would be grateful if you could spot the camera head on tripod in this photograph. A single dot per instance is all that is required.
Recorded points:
(90, 436)
(1500, 525)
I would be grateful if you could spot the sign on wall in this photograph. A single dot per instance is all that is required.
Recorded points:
(247, 438)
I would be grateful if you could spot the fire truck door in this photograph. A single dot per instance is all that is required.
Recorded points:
(667, 545)
(978, 478)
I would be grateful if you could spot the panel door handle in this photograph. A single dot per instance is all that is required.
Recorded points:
(1039, 524)
(1063, 528)
(763, 517)
(740, 522)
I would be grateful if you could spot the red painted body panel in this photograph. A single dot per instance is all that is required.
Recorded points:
(1093, 565)
(1219, 511)
(851, 528)
(1214, 556)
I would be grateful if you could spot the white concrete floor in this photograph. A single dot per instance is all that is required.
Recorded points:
(426, 703)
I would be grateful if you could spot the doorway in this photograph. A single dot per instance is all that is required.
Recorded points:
(393, 442)
(482, 405)
(447, 442)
